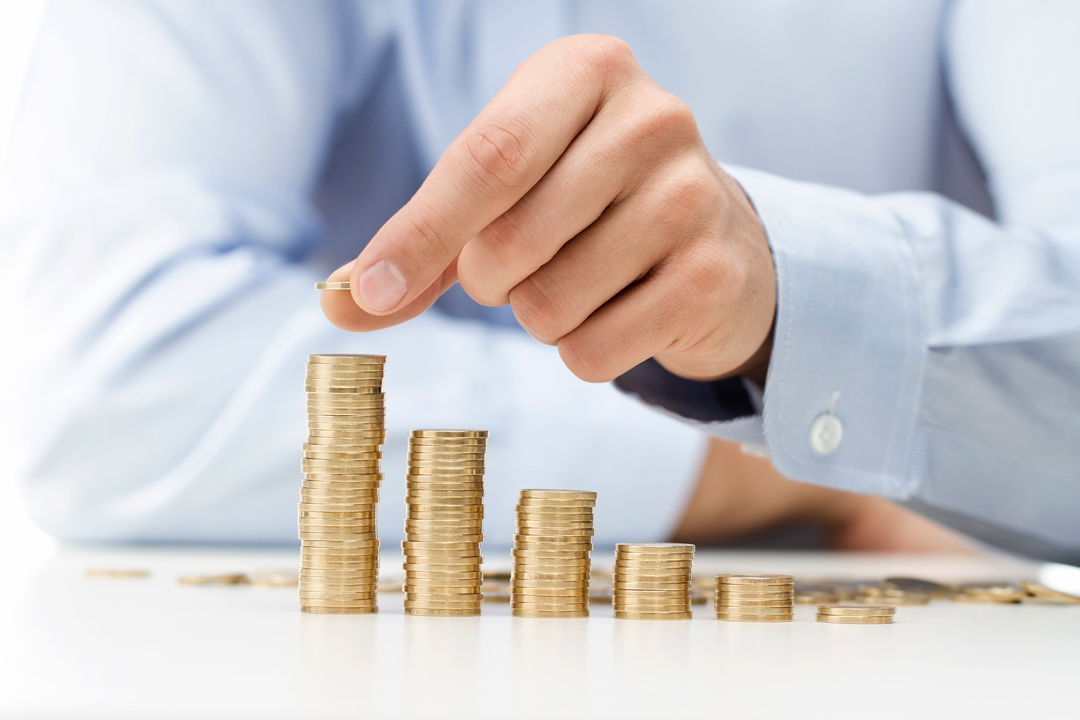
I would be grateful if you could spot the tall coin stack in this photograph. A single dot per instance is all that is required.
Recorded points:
(551, 571)
(444, 523)
(755, 598)
(339, 567)
(652, 581)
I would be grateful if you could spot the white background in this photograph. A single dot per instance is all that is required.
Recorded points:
(20, 541)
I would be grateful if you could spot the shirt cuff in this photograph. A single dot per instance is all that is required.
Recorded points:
(848, 343)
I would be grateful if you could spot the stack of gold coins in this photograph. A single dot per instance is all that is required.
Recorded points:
(551, 570)
(652, 581)
(444, 524)
(339, 565)
(755, 598)
(856, 614)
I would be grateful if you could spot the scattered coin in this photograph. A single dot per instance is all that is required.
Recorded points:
(116, 574)
(226, 579)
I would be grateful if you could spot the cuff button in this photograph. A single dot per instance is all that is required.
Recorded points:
(826, 433)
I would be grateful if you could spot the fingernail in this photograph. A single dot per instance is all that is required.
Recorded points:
(382, 286)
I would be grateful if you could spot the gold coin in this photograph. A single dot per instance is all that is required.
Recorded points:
(333, 286)
(346, 424)
(632, 602)
(432, 474)
(441, 586)
(435, 452)
(440, 510)
(549, 604)
(332, 391)
(756, 590)
(336, 505)
(340, 456)
(333, 563)
(448, 527)
(364, 590)
(321, 545)
(370, 609)
(1041, 591)
(559, 494)
(554, 526)
(537, 614)
(526, 541)
(342, 559)
(327, 369)
(855, 619)
(561, 582)
(342, 553)
(428, 612)
(657, 548)
(553, 522)
(668, 574)
(436, 443)
(371, 405)
(433, 562)
(320, 514)
(116, 573)
(440, 504)
(529, 575)
(426, 575)
(568, 572)
(318, 524)
(346, 358)
(322, 381)
(527, 531)
(449, 433)
(736, 617)
(469, 487)
(857, 610)
(448, 497)
(652, 561)
(541, 512)
(424, 602)
(354, 467)
(625, 615)
(336, 481)
(554, 505)
(353, 575)
(651, 585)
(410, 545)
(762, 579)
(225, 579)
(548, 554)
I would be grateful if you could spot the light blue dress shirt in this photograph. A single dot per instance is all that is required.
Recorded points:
(181, 172)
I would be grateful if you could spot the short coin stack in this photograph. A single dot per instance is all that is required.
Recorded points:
(856, 614)
(652, 581)
(444, 522)
(339, 566)
(755, 598)
(552, 567)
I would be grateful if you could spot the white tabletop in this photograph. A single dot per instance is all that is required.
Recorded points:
(73, 647)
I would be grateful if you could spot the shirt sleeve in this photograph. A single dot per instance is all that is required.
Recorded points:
(155, 237)
(944, 345)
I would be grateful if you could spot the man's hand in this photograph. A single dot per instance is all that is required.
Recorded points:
(584, 196)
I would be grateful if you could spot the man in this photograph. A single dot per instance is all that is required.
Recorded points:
(162, 177)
